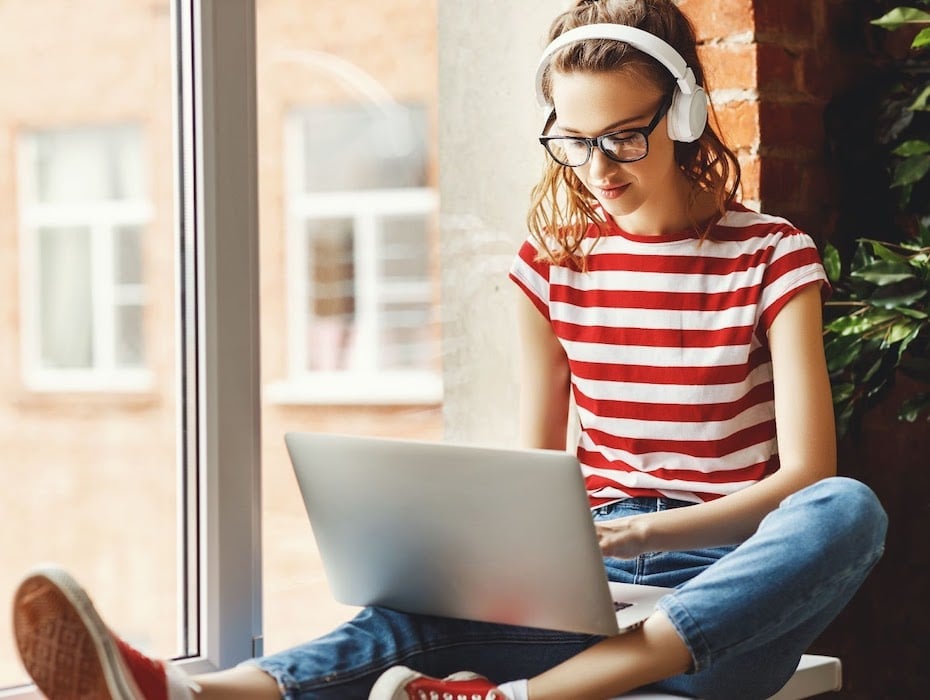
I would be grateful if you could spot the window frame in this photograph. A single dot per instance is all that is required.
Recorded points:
(102, 220)
(217, 191)
(365, 208)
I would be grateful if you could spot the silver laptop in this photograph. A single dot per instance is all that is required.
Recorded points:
(475, 533)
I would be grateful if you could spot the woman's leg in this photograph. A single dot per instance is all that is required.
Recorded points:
(240, 683)
(749, 618)
(70, 652)
(345, 663)
(746, 619)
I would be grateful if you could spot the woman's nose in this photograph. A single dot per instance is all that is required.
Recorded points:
(600, 165)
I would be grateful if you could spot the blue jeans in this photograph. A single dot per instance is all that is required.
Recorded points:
(746, 613)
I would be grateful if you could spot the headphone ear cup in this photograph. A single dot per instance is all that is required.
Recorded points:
(687, 115)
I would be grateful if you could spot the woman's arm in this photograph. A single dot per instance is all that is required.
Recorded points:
(806, 447)
(544, 381)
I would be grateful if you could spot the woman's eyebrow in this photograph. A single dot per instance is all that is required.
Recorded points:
(607, 129)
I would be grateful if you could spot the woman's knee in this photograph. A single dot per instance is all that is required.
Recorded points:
(846, 508)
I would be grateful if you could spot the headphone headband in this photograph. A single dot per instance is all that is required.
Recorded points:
(637, 38)
(688, 114)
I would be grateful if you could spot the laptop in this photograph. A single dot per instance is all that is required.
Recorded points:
(488, 534)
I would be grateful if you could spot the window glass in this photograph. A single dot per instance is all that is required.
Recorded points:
(88, 398)
(82, 215)
(348, 208)
(64, 297)
(364, 146)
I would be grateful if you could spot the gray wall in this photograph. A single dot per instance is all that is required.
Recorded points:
(489, 160)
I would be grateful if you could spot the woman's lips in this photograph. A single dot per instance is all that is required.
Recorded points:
(612, 191)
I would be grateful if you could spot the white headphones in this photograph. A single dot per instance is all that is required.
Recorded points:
(687, 116)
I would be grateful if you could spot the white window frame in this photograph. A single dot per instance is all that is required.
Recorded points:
(219, 193)
(365, 209)
(102, 219)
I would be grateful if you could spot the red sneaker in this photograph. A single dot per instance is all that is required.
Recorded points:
(402, 683)
(70, 653)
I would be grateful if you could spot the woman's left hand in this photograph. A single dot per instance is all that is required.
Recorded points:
(623, 538)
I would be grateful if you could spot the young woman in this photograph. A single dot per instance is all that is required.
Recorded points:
(686, 328)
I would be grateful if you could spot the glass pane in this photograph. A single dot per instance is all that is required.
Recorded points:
(108, 159)
(65, 305)
(406, 337)
(340, 112)
(95, 465)
(331, 302)
(130, 348)
(364, 146)
(405, 249)
(128, 255)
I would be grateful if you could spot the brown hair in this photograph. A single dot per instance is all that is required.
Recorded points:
(562, 210)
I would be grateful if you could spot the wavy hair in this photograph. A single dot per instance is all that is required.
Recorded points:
(562, 211)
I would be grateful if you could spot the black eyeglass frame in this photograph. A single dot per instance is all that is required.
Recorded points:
(598, 141)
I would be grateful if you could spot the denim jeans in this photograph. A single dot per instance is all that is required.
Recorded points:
(746, 613)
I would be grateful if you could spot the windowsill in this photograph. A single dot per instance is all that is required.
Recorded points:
(69, 381)
(375, 389)
(132, 389)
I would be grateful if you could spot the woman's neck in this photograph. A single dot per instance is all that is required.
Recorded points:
(684, 207)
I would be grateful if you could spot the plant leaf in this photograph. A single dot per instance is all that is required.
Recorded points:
(884, 252)
(844, 415)
(843, 392)
(884, 272)
(860, 323)
(913, 407)
(922, 39)
(832, 264)
(892, 298)
(901, 16)
(913, 313)
(842, 351)
(914, 147)
(920, 104)
(911, 170)
(899, 332)
(870, 372)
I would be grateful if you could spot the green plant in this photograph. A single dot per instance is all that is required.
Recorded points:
(879, 321)
(880, 327)
(911, 95)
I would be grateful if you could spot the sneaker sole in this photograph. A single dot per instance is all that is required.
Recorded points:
(390, 684)
(64, 645)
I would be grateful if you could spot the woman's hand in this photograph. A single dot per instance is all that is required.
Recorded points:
(623, 538)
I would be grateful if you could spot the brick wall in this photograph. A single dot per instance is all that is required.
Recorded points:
(772, 66)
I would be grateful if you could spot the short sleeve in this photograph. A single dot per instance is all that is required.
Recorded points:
(795, 263)
(532, 275)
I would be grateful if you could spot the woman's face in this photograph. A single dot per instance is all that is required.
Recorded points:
(647, 196)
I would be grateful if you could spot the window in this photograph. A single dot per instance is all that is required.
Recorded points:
(361, 292)
(137, 262)
(83, 211)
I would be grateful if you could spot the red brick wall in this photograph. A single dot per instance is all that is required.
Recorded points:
(772, 66)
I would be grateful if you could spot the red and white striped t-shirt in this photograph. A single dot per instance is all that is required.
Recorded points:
(666, 337)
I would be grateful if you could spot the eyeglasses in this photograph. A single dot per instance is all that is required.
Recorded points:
(624, 146)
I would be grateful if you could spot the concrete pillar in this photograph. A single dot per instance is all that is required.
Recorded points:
(489, 160)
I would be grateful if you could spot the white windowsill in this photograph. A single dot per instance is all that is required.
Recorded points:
(76, 381)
